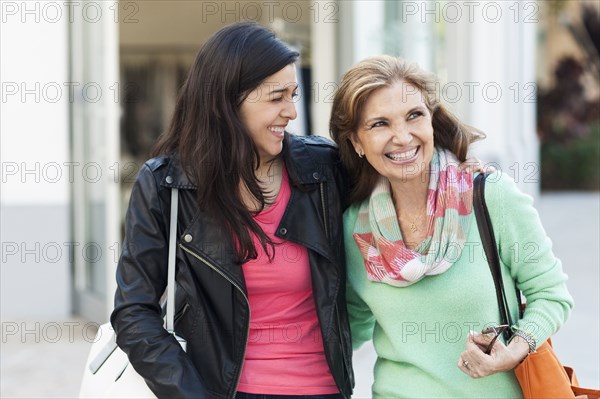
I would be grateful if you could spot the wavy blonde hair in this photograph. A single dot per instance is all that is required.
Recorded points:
(359, 83)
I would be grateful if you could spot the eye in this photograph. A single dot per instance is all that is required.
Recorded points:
(277, 99)
(295, 95)
(377, 124)
(415, 115)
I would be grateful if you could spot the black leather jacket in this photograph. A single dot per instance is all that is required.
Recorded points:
(212, 308)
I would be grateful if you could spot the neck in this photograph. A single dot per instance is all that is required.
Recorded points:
(268, 177)
(268, 172)
(410, 196)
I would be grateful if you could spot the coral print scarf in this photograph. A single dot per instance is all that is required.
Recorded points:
(449, 207)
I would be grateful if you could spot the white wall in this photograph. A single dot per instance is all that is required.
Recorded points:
(34, 150)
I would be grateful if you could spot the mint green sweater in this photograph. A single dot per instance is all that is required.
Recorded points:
(420, 331)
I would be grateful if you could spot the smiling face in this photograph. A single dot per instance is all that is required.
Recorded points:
(395, 132)
(267, 110)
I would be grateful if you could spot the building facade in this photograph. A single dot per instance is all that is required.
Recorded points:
(88, 85)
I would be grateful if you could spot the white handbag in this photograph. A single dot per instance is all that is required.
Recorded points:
(108, 373)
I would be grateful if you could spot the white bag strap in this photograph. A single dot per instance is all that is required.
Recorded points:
(111, 345)
(171, 271)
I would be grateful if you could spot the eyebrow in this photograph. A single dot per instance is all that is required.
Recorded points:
(419, 107)
(276, 91)
(375, 118)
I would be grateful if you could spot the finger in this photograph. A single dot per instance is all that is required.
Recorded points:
(476, 340)
(481, 339)
(475, 164)
(464, 365)
(476, 352)
(483, 367)
(476, 347)
(480, 364)
(472, 366)
(489, 169)
(469, 165)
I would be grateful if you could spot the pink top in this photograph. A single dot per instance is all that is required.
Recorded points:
(285, 353)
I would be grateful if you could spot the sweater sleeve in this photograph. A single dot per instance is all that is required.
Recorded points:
(362, 321)
(526, 250)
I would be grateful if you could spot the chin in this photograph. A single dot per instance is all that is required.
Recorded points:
(271, 153)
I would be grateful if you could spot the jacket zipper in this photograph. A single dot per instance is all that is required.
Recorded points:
(325, 218)
(207, 263)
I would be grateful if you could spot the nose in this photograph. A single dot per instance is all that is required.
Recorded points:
(289, 109)
(401, 135)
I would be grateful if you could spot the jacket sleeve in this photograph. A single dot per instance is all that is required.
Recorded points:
(527, 251)
(141, 280)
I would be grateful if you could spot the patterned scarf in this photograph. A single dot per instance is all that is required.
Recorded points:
(449, 205)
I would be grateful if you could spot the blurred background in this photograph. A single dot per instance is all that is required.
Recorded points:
(87, 87)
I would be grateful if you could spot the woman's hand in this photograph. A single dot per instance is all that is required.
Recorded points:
(475, 165)
(475, 363)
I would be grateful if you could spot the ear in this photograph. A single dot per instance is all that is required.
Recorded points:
(357, 145)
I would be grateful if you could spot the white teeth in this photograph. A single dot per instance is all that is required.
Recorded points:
(277, 129)
(403, 155)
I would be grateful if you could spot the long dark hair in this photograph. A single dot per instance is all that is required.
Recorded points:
(207, 133)
(358, 84)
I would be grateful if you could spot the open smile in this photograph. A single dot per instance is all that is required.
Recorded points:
(278, 131)
(403, 156)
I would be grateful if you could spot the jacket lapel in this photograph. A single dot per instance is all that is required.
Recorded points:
(304, 213)
(211, 243)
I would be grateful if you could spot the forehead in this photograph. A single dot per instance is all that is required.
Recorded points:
(283, 78)
(399, 96)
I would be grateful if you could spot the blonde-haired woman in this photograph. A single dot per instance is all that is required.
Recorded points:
(418, 281)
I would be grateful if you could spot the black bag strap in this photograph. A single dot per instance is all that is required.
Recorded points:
(488, 240)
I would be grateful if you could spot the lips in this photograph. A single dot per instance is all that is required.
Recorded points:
(403, 156)
(277, 131)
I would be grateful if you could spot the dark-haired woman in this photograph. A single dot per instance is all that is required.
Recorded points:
(260, 271)
(419, 285)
